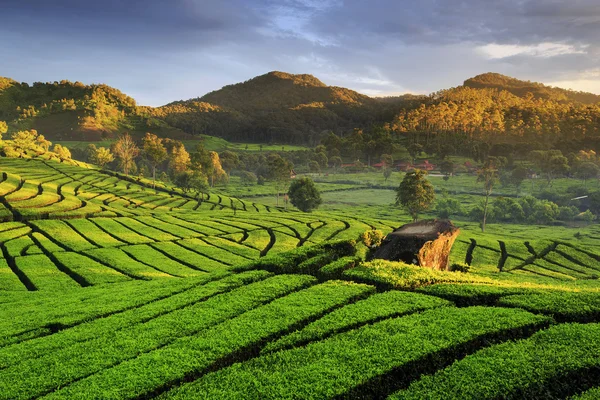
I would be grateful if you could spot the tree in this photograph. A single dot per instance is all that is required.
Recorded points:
(248, 178)
(155, 153)
(550, 163)
(183, 180)
(126, 151)
(488, 175)
(415, 193)
(229, 161)
(336, 161)
(387, 172)
(321, 158)
(102, 156)
(304, 195)
(90, 151)
(447, 169)
(179, 159)
(507, 209)
(218, 174)
(278, 170)
(414, 149)
(24, 140)
(545, 212)
(198, 182)
(3, 128)
(314, 167)
(62, 152)
(587, 170)
(201, 160)
(517, 176)
(447, 207)
(43, 143)
(387, 160)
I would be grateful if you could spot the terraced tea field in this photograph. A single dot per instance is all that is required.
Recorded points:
(110, 289)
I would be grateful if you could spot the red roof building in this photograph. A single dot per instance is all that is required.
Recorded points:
(404, 166)
(425, 166)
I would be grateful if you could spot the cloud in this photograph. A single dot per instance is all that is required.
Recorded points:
(544, 50)
(162, 51)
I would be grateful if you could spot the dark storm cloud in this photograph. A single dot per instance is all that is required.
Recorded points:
(161, 50)
(444, 21)
(133, 23)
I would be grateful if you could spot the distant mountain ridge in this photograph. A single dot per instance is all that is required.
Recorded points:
(274, 107)
(521, 88)
(278, 107)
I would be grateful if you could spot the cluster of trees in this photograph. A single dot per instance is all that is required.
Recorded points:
(273, 108)
(526, 209)
(29, 142)
(366, 144)
(416, 194)
(54, 106)
(169, 158)
(20, 100)
(462, 117)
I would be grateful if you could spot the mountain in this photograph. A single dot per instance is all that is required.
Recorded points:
(521, 88)
(494, 109)
(73, 111)
(275, 107)
(278, 107)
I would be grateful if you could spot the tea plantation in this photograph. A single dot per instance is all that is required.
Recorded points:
(112, 289)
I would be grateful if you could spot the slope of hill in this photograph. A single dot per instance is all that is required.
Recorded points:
(495, 109)
(113, 290)
(521, 88)
(73, 111)
(277, 107)
(295, 109)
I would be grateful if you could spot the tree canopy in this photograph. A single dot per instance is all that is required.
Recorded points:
(304, 195)
(415, 193)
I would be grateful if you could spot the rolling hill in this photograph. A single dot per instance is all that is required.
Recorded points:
(275, 107)
(278, 107)
(520, 88)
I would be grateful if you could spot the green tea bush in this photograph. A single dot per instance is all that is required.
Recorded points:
(372, 238)
(555, 363)
(367, 362)
(398, 275)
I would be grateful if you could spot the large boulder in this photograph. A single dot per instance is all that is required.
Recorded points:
(425, 243)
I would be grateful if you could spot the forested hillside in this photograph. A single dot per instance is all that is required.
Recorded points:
(488, 110)
(275, 107)
(73, 111)
(492, 109)
(521, 88)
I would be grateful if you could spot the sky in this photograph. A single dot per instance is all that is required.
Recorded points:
(158, 51)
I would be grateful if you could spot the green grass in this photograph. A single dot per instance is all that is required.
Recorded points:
(151, 256)
(555, 363)
(124, 297)
(126, 265)
(8, 280)
(398, 275)
(377, 307)
(44, 275)
(182, 332)
(60, 232)
(92, 272)
(368, 353)
(570, 306)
